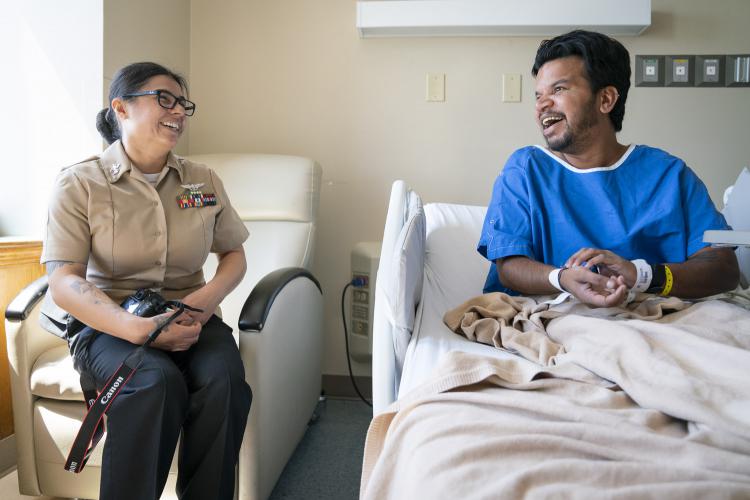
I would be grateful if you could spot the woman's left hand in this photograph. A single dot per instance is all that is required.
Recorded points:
(203, 299)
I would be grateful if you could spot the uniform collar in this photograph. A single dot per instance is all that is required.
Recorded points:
(115, 162)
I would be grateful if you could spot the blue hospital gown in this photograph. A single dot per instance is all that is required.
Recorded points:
(649, 205)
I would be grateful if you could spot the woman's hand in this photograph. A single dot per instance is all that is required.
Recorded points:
(592, 288)
(179, 335)
(203, 299)
(609, 264)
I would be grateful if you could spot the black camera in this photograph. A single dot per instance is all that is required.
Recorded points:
(146, 303)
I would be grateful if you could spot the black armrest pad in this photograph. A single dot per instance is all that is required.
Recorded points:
(19, 309)
(258, 304)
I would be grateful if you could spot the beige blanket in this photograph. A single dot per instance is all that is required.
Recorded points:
(649, 401)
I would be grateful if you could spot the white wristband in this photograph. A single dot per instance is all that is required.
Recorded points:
(554, 278)
(643, 275)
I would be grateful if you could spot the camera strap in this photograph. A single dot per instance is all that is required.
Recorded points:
(92, 427)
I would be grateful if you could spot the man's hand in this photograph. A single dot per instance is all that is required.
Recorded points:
(531, 278)
(609, 264)
(592, 288)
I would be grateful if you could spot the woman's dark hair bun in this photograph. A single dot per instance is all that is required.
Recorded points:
(107, 130)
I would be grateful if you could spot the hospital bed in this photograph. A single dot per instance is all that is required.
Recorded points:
(438, 397)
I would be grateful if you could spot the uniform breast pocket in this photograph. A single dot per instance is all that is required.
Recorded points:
(190, 237)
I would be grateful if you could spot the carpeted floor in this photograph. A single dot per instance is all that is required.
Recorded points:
(328, 461)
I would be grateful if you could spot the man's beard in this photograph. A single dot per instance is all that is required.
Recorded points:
(563, 143)
(571, 140)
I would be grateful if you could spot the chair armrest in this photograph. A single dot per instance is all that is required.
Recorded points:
(21, 306)
(258, 304)
(283, 367)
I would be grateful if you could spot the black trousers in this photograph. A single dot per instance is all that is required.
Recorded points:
(201, 392)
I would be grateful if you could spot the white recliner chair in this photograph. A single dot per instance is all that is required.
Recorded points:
(277, 313)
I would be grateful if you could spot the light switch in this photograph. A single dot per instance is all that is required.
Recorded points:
(435, 87)
(512, 87)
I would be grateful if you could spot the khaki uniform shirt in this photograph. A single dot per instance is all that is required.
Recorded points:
(106, 215)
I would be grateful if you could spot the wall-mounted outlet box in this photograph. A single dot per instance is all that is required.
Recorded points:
(649, 71)
(709, 71)
(738, 70)
(678, 71)
(364, 261)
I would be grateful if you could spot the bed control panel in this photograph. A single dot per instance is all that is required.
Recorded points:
(364, 261)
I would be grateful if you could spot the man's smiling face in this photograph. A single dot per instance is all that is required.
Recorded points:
(566, 108)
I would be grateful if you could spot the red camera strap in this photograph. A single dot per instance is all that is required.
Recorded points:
(92, 428)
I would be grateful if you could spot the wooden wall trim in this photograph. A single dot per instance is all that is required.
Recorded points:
(13, 253)
(19, 266)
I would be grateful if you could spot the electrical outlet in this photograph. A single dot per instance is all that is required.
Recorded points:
(709, 71)
(365, 258)
(679, 71)
(649, 71)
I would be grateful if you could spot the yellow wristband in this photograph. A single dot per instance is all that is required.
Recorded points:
(668, 282)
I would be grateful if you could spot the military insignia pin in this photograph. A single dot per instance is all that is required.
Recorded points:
(193, 197)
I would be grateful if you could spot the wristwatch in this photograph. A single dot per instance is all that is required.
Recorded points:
(658, 279)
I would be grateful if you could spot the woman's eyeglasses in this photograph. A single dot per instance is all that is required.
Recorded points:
(167, 100)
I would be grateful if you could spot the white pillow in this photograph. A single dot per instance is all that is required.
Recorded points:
(454, 270)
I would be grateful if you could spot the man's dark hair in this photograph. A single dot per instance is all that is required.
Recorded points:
(606, 60)
(129, 81)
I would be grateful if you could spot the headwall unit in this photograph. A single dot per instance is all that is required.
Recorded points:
(712, 70)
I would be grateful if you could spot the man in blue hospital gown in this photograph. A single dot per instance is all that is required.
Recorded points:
(589, 215)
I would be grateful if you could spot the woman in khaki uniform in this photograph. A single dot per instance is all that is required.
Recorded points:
(137, 216)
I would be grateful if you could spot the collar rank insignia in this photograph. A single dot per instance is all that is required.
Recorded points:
(193, 197)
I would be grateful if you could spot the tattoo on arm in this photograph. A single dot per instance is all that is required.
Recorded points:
(97, 297)
(81, 286)
(160, 322)
(54, 265)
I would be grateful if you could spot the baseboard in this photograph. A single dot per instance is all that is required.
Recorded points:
(8, 459)
(340, 386)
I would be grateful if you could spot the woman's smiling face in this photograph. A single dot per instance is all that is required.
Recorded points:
(145, 122)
